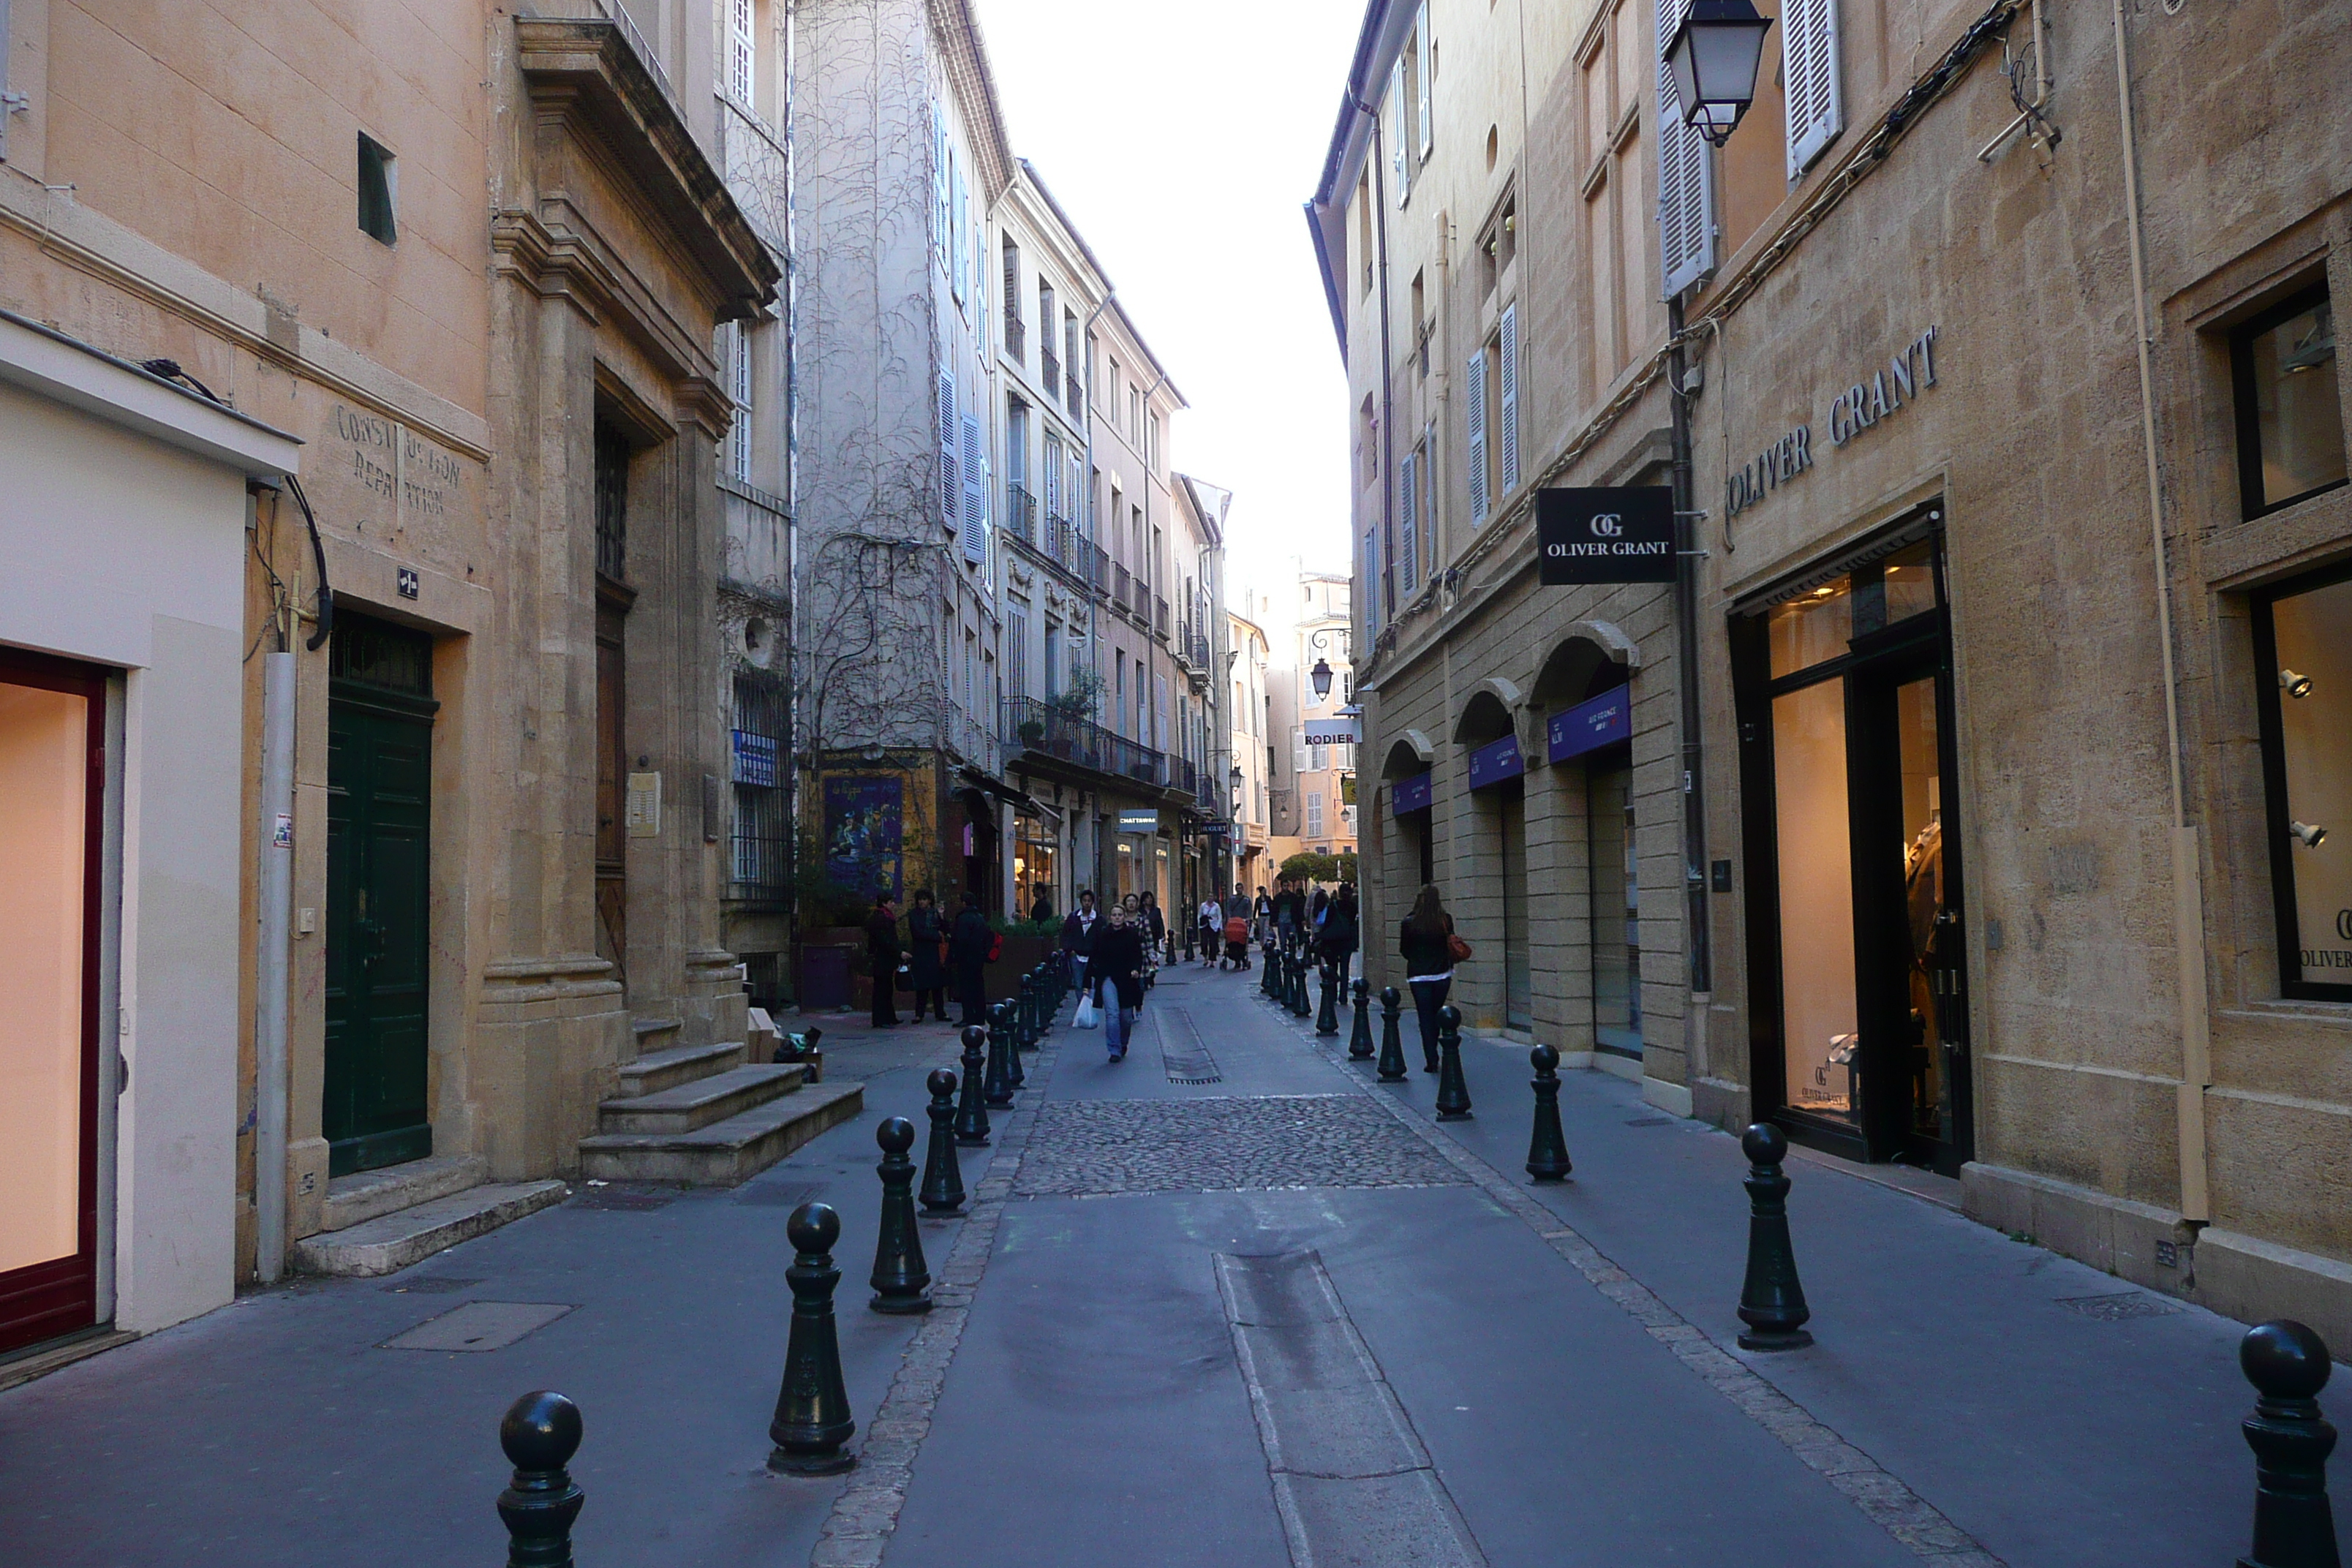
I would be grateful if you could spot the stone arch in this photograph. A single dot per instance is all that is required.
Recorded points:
(1410, 754)
(1592, 656)
(1489, 713)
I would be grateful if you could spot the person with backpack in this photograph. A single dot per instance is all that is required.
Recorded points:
(1430, 949)
(972, 946)
(1117, 969)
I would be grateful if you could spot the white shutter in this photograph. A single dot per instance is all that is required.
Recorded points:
(1809, 60)
(1400, 154)
(962, 266)
(1427, 58)
(1408, 524)
(939, 187)
(975, 495)
(950, 480)
(1053, 467)
(1477, 410)
(1508, 373)
(1686, 178)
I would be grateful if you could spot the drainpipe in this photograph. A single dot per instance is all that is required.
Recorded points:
(272, 961)
(2188, 891)
(1686, 559)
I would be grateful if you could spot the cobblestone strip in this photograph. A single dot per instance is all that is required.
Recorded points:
(1883, 1498)
(858, 1530)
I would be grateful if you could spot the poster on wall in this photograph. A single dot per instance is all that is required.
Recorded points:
(865, 821)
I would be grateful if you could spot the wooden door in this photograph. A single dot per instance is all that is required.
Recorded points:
(612, 784)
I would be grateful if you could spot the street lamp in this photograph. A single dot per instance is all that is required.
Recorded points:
(1321, 674)
(1322, 678)
(1713, 59)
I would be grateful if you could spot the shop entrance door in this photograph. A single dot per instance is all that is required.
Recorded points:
(1518, 974)
(52, 778)
(1907, 968)
(379, 799)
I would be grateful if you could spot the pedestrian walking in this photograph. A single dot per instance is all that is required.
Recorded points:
(970, 945)
(1078, 937)
(1337, 938)
(1207, 920)
(1289, 912)
(1042, 908)
(1262, 915)
(1429, 949)
(1119, 970)
(1155, 934)
(926, 956)
(883, 957)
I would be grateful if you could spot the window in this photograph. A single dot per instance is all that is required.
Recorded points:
(951, 466)
(2290, 415)
(760, 827)
(379, 190)
(738, 50)
(1016, 651)
(1400, 159)
(1314, 814)
(1053, 660)
(1809, 74)
(1476, 413)
(736, 342)
(2303, 663)
(1364, 228)
(1368, 445)
(1686, 226)
(1151, 444)
(1015, 331)
(1318, 757)
(1506, 395)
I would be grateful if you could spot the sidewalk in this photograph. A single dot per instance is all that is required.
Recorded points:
(1230, 1321)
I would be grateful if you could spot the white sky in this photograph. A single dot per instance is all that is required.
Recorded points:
(1183, 141)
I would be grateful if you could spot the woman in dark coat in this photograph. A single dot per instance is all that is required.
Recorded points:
(882, 954)
(967, 945)
(1337, 939)
(927, 970)
(1425, 943)
(1117, 969)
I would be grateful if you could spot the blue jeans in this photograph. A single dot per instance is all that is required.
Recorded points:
(1119, 1023)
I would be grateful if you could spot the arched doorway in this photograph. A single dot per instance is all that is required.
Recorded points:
(1497, 775)
(1584, 692)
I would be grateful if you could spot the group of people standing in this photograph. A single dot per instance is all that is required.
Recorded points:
(938, 954)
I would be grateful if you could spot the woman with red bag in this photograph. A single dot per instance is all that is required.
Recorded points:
(1431, 950)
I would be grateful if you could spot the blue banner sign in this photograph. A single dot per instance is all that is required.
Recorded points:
(1591, 725)
(755, 759)
(1409, 794)
(1492, 764)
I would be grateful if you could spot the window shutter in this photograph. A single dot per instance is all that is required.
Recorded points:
(1427, 58)
(1808, 58)
(939, 187)
(975, 495)
(1408, 524)
(950, 480)
(1052, 479)
(1400, 158)
(1508, 375)
(1477, 410)
(738, 50)
(1685, 177)
(958, 249)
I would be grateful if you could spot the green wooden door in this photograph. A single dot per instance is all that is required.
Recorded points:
(379, 779)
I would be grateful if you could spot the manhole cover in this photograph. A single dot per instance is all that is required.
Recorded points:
(437, 1285)
(2116, 1308)
(478, 1326)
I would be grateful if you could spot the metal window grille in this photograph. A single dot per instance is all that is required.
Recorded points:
(761, 748)
(612, 503)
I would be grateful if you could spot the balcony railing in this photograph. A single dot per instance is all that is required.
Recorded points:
(1076, 395)
(1199, 648)
(1041, 728)
(1051, 370)
(1021, 513)
(1118, 587)
(1159, 616)
(1016, 338)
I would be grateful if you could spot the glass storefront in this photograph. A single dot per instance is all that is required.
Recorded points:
(1615, 909)
(1845, 693)
(1035, 862)
(2304, 662)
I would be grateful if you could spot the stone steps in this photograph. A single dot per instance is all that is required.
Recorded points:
(700, 1101)
(655, 1071)
(368, 1195)
(393, 1241)
(726, 1152)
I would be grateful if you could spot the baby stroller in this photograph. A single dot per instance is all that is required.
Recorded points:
(1237, 933)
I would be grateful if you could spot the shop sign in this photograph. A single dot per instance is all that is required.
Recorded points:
(1138, 822)
(1409, 794)
(1491, 764)
(1216, 830)
(1621, 534)
(755, 759)
(1332, 733)
(1591, 725)
(1858, 409)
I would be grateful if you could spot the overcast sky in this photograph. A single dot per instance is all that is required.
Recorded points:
(1184, 155)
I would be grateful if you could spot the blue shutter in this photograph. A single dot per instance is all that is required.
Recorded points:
(1476, 404)
(1507, 375)
(1408, 524)
(950, 479)
(975, 495)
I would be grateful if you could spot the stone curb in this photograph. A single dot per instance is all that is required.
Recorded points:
(1918, 1524)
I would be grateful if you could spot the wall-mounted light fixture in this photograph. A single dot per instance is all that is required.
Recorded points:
(1713, 59)
(2294, 685)
(2310, 834)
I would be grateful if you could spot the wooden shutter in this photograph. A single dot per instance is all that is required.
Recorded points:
(1426, 56)
(975, 495)
(950, 478)
(1809, 60)
(1686, 178)
(1400, 150)
(1408, 524)
(1053, 466)
(1507, 375)
(1477, 412)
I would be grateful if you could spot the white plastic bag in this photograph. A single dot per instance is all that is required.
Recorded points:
(1088, 1015)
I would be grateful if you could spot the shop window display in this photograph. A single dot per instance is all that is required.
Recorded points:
(2304, 651)
(2290, 415)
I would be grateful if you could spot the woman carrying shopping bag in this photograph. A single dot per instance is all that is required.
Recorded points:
(1117, 970)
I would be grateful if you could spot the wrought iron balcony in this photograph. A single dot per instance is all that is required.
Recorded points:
(1159, 616)
(1050, 371)
(1017, 337)
(1118, 587)
(1021, 513)
(1077, 394)
(1040, 728)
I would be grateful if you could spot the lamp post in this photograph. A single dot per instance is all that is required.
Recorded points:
(1713, 59)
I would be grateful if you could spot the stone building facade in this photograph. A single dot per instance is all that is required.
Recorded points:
(1313, 799)
(2019, 610)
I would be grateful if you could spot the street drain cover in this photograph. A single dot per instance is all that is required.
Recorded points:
(2116, 1308)
(478, 1326)
(1181, 1054)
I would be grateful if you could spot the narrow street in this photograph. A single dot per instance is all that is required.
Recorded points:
(1229, 1301)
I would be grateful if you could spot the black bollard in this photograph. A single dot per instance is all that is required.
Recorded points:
(942, 1173)
(1453, 1091)
(901, 1279)
(971, 1110)
(1392, 1065)
(997, 1089)
(1298, 1002)
(1327, 1017)
(1025, 1016)
(1265, 970)
(1014, 1075)
(1547, 1147)
(1771, 1301)
(2294, 1525)
(812, 1406)
(540, 1433)
(1359, 1038)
